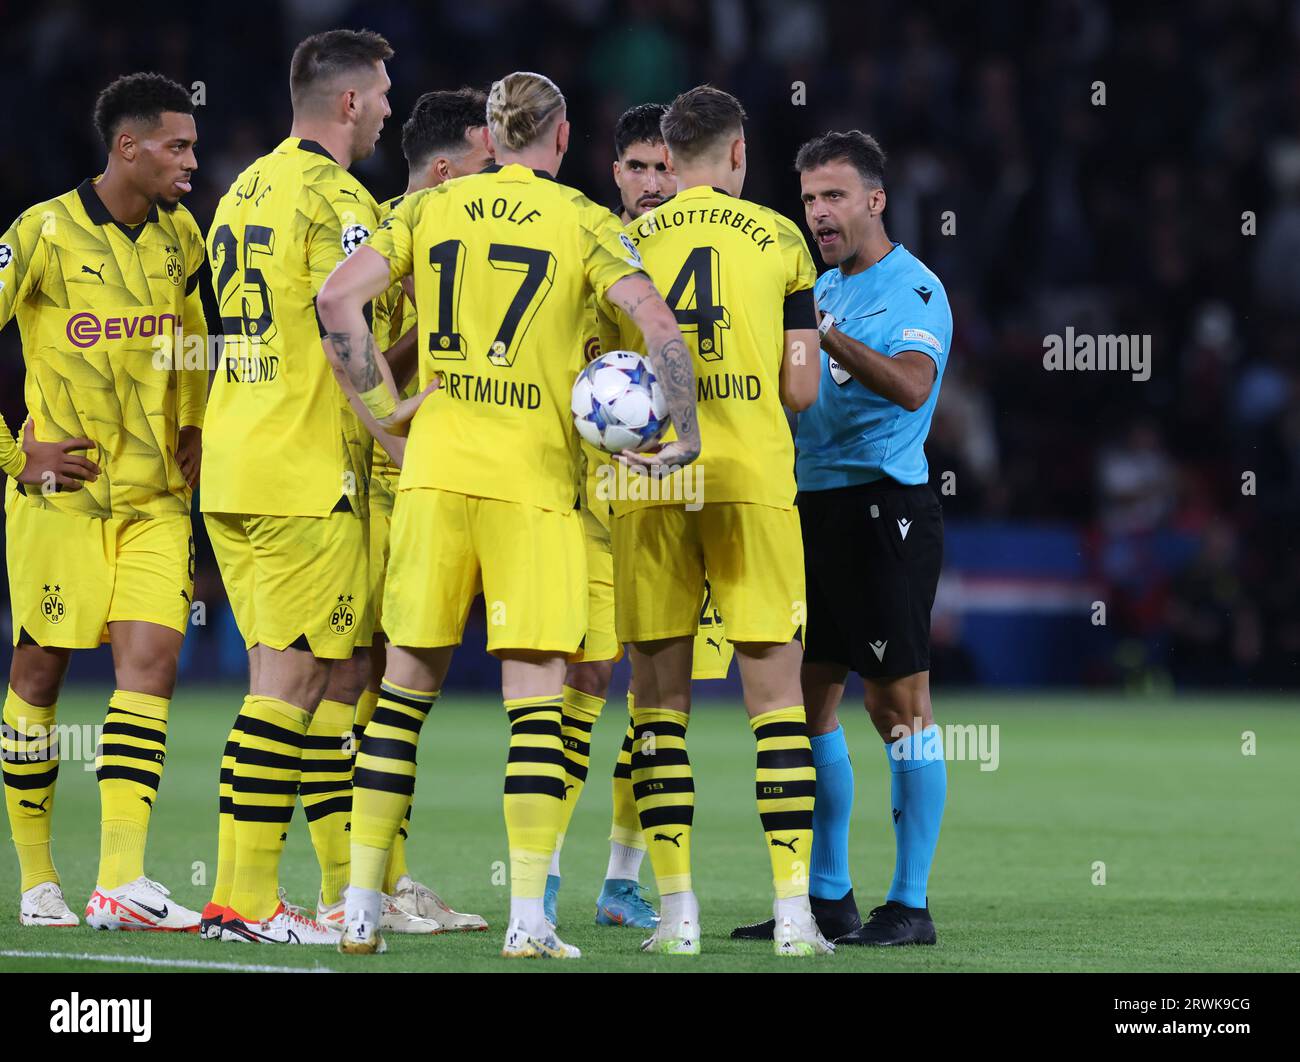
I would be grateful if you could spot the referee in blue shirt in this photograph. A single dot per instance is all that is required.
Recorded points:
(872, 532)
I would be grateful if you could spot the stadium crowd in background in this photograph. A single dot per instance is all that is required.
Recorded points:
(1151, 213)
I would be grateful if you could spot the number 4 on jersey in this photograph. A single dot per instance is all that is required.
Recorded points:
(691, 299)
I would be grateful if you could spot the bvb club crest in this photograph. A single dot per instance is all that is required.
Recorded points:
(342, 616)
(52, 606)
(175, 270)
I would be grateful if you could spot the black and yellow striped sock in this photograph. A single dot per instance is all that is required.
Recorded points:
(784, 783)
(534, 791)
(578, 716)
(29, 750)
(665, 793)
(129, 766)
(397, 868)
(264, 788)
(384, 779)
(326, 793)
(225, 876)
(625, 829)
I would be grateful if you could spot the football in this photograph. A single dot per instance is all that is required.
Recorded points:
(618, 404)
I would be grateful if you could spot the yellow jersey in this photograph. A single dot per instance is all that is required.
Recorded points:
(593, 459)
(394, 317)
(282, 439)
(737, 276)
(504, 263)
(99, 307)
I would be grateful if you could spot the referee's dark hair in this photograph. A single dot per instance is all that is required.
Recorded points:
(860, 150)
(439, 122)
(143, 97)
(323, 56)
(637, 124)
(696, 121)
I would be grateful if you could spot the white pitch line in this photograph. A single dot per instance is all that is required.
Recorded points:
(141, 960)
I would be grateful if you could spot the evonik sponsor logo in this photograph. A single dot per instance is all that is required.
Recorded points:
(85, 329)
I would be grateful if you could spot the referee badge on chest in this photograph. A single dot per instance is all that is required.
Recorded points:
(838, 373)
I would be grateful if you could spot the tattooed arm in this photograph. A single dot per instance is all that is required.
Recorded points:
(347, 340)
(637, 297)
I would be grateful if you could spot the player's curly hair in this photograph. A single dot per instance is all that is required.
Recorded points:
(860, 150)
(637, 124)
(439, 122)
(696, 121)
(520, 107)
(323, 56)
(143, 97)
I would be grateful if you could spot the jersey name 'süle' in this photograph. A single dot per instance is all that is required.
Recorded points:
(737, 276)
(99, 306)
(281, 438)
(504, 262)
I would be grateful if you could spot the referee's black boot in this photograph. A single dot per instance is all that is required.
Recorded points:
(834, 918)
(891, 925)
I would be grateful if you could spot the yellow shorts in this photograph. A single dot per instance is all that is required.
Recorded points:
(296, 581)
(383, 492)
(70, 576)
(530, 564)
(601, 643)
(753, 555)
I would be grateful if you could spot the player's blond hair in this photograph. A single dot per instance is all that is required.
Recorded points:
(520, 107)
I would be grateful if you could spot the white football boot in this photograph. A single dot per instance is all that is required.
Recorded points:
(674, 938)
(43, 905)
(795, 934)
(333, 915)
(416, 908)
(678, 931)
(362, 936)
(142, 904)
(286, 925)
(521, 944)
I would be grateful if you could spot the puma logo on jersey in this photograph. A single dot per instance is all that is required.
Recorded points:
(879, 649)
(904, 526)
(349, 191)
(95, 272)
(716, 645)
(665, 837)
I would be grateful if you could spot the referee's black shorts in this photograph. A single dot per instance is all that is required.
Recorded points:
(872, 555)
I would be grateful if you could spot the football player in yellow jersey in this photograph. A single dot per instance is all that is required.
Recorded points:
(503, 265)
(739, 279)
(643, 180)
(284, 493)
(444, 137)
(103, 280)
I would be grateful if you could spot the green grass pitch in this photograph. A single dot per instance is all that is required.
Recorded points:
(1200, 842)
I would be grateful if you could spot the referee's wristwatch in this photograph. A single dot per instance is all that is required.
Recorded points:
(826, 324)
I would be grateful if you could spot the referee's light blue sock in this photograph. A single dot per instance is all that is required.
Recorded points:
(830, 850)
(920, 786)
